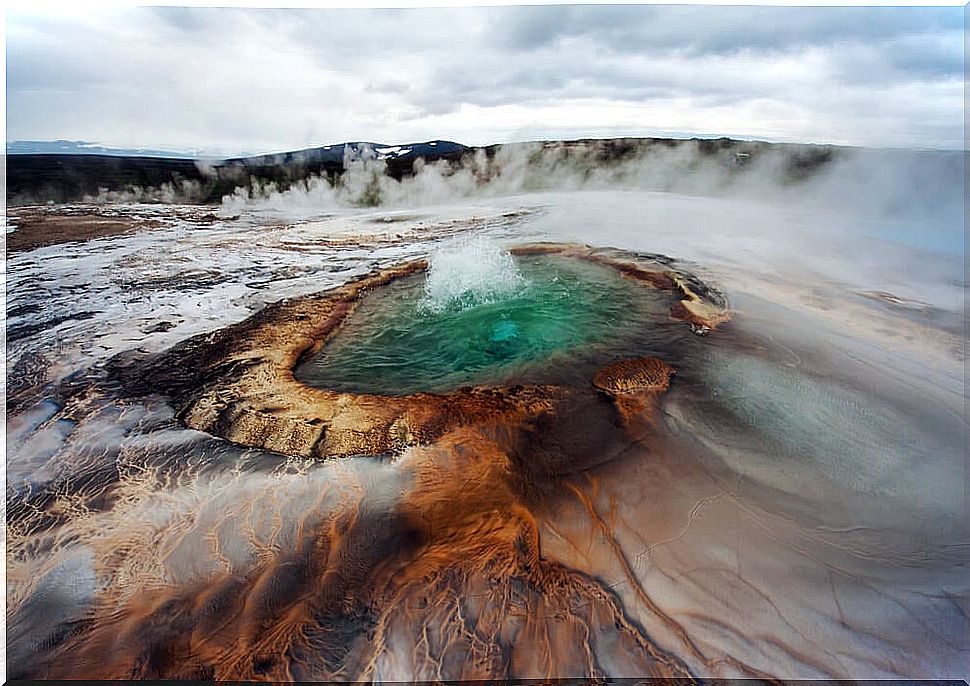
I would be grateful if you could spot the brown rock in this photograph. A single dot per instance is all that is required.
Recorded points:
(629, 376)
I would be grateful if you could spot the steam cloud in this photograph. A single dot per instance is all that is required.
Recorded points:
(877, 182)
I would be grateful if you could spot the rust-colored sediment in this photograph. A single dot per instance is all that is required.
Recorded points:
(238, 383)
(450, 584)
(640, 374)
(634, 384)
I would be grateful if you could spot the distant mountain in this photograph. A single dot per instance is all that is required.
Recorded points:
(326, 153)
(63, 147)
(334, 154)
(67, 171)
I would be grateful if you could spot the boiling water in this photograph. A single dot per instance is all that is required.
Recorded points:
(539, 319)
(470, 271)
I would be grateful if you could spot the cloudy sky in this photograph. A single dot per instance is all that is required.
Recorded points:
(227, 81)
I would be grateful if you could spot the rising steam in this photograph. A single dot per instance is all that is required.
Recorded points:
(890, 182)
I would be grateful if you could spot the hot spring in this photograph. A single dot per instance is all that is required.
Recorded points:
(483, 317)
(333, 452)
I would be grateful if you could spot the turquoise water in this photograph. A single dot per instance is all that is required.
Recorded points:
(562, 318)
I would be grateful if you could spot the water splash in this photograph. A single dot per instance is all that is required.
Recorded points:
(469, 272)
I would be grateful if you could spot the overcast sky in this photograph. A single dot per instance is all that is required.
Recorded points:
(227, 81)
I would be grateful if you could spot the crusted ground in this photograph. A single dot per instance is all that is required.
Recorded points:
(238, 383)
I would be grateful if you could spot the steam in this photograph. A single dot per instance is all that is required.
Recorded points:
(469, 272)
(182, 192)
(874, 182)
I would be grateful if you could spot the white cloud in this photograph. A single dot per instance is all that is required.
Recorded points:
(231, 80)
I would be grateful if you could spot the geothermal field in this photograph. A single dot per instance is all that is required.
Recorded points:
(687, 410)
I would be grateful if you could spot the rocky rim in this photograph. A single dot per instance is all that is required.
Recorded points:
(237, 383)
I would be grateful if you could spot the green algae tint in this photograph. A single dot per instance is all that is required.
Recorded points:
(564, 318)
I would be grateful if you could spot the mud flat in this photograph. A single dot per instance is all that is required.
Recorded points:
(40, 225)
